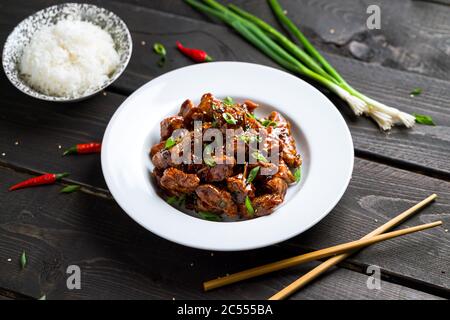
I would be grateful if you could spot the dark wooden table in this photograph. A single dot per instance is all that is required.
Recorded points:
(121, 260)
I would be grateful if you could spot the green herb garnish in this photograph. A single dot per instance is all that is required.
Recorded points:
(298, 174)
(267, 123)
(71, 188)
(228, 101)
(210, 162)
(258, 156)
(170, 143)
(229, 118)
(176, 201)
(173, 200)
(415, 92)
(23, 260)
(252, 174)
(249, 207)
(209, 216)
(250, 115)
(160, 50)
(423, 119)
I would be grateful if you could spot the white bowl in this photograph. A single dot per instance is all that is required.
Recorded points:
(23, 32)
(322, 136)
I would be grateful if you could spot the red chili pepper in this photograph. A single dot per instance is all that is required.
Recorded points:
(84, 148)
(195, 54)
(48, 178)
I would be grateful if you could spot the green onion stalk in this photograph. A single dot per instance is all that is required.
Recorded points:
(306, 61)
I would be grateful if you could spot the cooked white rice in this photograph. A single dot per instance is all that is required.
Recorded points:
(69, 58)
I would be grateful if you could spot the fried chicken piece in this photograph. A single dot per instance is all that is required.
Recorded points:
(239, 188)
(176, 182)
(250, 105)
(277, 186)
(162, 159)
(169, 125)
(157, 148)
(222, 170)
(284, 173)
(207, 104)
(264, 205)
(190, 112)
(215, 200)
(287, 142)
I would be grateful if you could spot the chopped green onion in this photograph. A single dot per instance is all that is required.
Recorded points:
(210, 162)
(415, 92)
(298, 174)
(209, 216)
(176, 201)
(160, 50)
(267, 123)
(249, 138)
(249, 207)
(71, 188)
(173, 200)
(252, 174)
(424, 119)
(229, 118)
(250, 115)
(228, 101)
(23, 260)
(170, 143)
(258, 156)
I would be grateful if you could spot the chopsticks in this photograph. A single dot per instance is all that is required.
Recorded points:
(344, 250)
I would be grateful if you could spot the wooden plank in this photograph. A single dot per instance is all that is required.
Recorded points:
(121, 259)
(410, 38)
(424, 148)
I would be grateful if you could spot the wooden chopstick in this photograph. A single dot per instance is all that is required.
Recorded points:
(324, 266)
(216, 283)
(316, 255)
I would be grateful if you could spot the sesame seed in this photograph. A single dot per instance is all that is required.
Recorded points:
(376, 220)
(4, 154)
(16, 143)
(143, 43)
(285, 12)
(446, 230)
(59, 146)
(192, 264)
(332, 31)
(9, 260)
(212, 254)
(173, 298)
(104, 93)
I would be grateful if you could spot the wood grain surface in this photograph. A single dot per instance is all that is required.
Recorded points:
(120, 260)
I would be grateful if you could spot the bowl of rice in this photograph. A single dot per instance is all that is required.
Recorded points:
(67, 52)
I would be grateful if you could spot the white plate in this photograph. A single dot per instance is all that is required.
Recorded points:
(322, 136)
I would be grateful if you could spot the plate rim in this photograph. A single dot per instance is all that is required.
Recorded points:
(304, 228)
